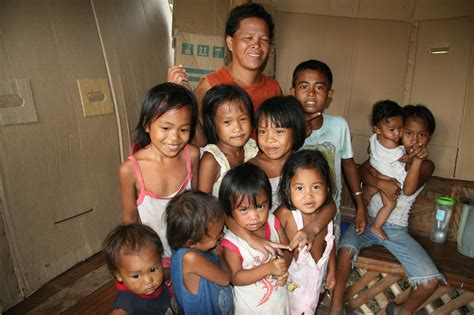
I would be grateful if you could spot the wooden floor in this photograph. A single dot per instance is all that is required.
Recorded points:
(87, 288)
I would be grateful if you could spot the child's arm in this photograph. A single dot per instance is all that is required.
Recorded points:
(128, 193)
(195, 264)
(390, 187)
(353, 180)
(118, 311)
(265, 246)
(240, 276)
(195, 155)
(306, 235)
(208, 172)
(331, 276)
(420, 171)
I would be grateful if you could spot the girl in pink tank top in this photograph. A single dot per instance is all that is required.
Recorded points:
(305, 187)
(164, 163)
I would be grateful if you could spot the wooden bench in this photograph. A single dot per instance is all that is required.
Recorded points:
(379, 278)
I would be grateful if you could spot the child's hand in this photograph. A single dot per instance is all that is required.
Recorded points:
(178, 75)
(266, 247)
(391, 188)
(420, 152)
(301, 239)
(278, 267)
(281, 280)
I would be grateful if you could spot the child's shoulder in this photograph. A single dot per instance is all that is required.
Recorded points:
(338, 121)
(194, 152)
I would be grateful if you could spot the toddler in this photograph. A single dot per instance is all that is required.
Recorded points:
(305, 187)
(259, 284)
(199, 273)
(386, 156)
(133, 253)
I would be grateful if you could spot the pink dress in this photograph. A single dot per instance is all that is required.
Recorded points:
(306, 275)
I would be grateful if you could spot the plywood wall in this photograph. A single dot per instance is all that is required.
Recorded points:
(376, 51)
(58, 168)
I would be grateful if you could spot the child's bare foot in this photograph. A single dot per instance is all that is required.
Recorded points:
(378, 232)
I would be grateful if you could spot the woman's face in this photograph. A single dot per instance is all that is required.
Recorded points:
(250, 45)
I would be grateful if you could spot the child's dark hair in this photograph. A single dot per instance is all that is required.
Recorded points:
(307, 159)
(215, 97)
(315, 65)
(383, 110)
(243, 182)
(422, 112)
(157, 101)
(285, 112)
(127, 239)
(248, 10)
(188, 216)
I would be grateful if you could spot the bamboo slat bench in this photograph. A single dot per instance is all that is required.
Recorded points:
(379, 277)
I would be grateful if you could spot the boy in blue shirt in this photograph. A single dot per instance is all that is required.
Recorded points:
(312, 86)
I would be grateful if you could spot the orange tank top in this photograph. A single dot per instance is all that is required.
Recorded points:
(268, 88)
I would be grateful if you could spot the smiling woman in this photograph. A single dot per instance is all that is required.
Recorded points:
(249, 32)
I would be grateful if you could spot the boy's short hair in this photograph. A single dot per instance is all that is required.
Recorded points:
(248, 10)
(315, 65)
(383, 110)
(188, 216)
(285, 112)
(214, 98)
(422, 112)
(128, 239)
(306, 159)
(243, 182)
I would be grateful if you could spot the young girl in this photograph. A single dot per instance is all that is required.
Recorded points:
(259, 283)
(165, 163)
(419, 125)
(228, 122)
(306, 186)
(133, 254)
(280, 131)
(386, 156)
(199, 273)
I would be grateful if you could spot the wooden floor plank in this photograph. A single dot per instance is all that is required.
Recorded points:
(57, 284)
(99, 302)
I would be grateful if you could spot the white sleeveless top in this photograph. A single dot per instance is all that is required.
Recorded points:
(250, 151)
(264, 296)
(151, 207)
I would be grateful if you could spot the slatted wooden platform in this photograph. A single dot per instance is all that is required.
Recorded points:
(383, 279)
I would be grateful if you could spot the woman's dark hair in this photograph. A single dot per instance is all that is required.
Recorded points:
(243, 182)
(306, 159)
(284, 112)
(248, 10)
(422, 112)
(217, 96)
(188, 216)
(129, 238)
(383, 110)
(157, 101)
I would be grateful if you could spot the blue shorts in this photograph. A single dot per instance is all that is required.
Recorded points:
(417, 263)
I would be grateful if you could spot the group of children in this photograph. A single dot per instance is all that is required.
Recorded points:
(243, 225)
